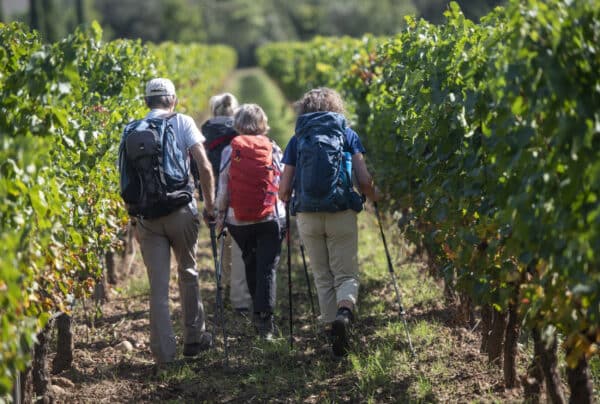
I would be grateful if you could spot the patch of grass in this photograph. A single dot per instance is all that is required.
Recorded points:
(177, 373)
(426, 333)
(422, 389)
(373, 369)
(136, 286)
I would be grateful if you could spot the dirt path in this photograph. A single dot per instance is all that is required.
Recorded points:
(447, 368)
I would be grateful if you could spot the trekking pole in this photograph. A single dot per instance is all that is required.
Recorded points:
(218, 270)
(393, 275)
(289, 262)
(312, 304)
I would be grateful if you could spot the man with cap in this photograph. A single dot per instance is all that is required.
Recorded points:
(178, 231)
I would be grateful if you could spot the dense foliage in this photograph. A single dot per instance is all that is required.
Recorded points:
(433, 10)
(242, 24)
(62, 108)
(485, 138)
(341, 62)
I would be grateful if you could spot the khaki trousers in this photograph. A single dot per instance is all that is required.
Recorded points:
(234, 273)
(177, 231)
(331, 242)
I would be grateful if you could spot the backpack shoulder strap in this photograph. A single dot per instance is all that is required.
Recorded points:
(168, 116)
(345, 144)
(131, 125)
(219, 141)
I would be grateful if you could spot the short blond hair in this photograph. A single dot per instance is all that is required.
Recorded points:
(223, 104)
(322, 99)
(250, 119)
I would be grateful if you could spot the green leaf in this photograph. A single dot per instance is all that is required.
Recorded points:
(517, 106)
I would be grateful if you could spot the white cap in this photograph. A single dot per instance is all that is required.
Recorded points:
(160, 86)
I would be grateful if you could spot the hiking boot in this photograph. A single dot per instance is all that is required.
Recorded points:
(193, 349)
(265, 325)
(340, 332)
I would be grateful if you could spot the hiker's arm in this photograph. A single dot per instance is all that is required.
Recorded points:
(365, 180)
(207, 181)
(285, 185)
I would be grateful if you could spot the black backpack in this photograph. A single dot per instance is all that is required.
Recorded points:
(218, 132)
(154, 171)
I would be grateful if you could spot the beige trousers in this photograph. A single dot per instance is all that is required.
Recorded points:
(234, 273)
(331, 241)
(177, 231)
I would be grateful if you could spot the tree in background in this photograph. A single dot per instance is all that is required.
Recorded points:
(48, 24)
(154, 20)
(234, 22)
(433, 10)
(355, 17)
(55, 19)
(247, 24)
(242, 24)
(182, 21)
(80, 11)
(34, 19)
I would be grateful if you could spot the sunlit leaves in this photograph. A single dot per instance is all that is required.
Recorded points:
(62, 109)
(489, 135)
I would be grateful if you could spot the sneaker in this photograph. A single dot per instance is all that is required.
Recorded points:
(265, 325)
(340, 332)
(193, 349)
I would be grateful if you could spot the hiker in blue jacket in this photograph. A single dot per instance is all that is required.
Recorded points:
(326, 204)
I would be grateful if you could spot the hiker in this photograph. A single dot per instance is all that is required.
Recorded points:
(316, 167)
(248, 205)
(165, 213)
(219, 132)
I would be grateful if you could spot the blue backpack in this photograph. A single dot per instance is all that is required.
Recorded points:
(154, 171)
(323, 178)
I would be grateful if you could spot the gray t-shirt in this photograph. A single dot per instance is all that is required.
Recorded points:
(185, 128)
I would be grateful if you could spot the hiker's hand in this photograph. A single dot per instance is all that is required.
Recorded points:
(209, 217)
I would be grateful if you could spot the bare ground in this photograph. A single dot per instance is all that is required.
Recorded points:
(447, 368)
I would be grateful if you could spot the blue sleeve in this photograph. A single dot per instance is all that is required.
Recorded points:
(354, 144)
(289, 156)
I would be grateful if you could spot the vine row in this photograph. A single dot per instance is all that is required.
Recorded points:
(62, 108)
(485, 137)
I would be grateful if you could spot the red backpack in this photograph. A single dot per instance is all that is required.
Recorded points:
(252, 188)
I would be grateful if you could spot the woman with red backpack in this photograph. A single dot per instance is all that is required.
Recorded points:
(219, 132)
(249, 206)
